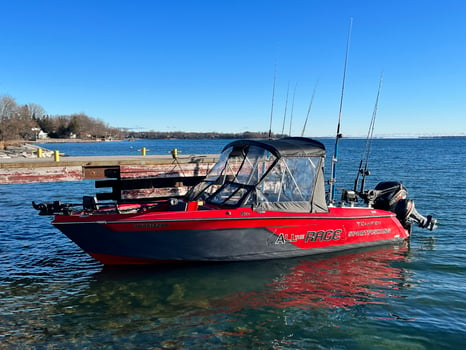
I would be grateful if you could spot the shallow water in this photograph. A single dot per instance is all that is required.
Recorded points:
(408, 296)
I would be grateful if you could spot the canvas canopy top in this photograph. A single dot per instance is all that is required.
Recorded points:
(285, 147)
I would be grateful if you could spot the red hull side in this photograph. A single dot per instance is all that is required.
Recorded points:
(226, 235)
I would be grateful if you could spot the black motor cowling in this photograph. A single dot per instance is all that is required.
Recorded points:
(393, 196)
(52, 208)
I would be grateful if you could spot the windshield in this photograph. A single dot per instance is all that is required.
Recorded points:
(236, 171)
(253, 176)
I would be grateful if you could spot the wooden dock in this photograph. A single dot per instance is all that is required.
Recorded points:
(28, 170)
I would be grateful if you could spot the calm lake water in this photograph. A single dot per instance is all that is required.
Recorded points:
(409, 296)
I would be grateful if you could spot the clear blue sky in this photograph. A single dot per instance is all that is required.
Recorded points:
(209, 65)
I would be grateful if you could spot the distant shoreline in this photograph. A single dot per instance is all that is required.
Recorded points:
(4, 144)
(72, 141)
(314, 137)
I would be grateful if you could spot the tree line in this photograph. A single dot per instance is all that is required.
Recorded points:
(197, 135)
(26, 122)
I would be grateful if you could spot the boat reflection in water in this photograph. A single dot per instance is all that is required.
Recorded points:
(201, 306)
(342, 280)
(336, 281)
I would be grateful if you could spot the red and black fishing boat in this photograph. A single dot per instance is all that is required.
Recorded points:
(262, 200)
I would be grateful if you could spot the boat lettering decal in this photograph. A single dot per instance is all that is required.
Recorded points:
(379, 231)
(148, 225)
(317, 236)
(283, 238)
(310, 236)
(368, 223)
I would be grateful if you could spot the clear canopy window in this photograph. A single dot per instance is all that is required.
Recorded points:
(255, 176)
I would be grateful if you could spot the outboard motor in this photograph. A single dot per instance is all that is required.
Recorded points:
(393, 196)
(52, 208)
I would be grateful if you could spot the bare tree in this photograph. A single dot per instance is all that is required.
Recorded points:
(7, 106)
(8, 109)
(24, 125)
(35, 111)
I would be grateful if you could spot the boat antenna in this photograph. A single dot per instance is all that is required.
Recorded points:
(286, 106)
(367, 147)
(273, 97)
(309, 109)
(292, 109)
(339, 135)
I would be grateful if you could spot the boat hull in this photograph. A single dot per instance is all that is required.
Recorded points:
(221, 235)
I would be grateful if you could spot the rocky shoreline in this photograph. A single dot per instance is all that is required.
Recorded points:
(24, 150)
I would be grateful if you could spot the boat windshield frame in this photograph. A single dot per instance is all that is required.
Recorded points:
(248, 174)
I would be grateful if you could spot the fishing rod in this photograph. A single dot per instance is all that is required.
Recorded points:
(309, 109)
(286, 106)
(292, 109)
(332, 180)
(367, 147)
(273, 97)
